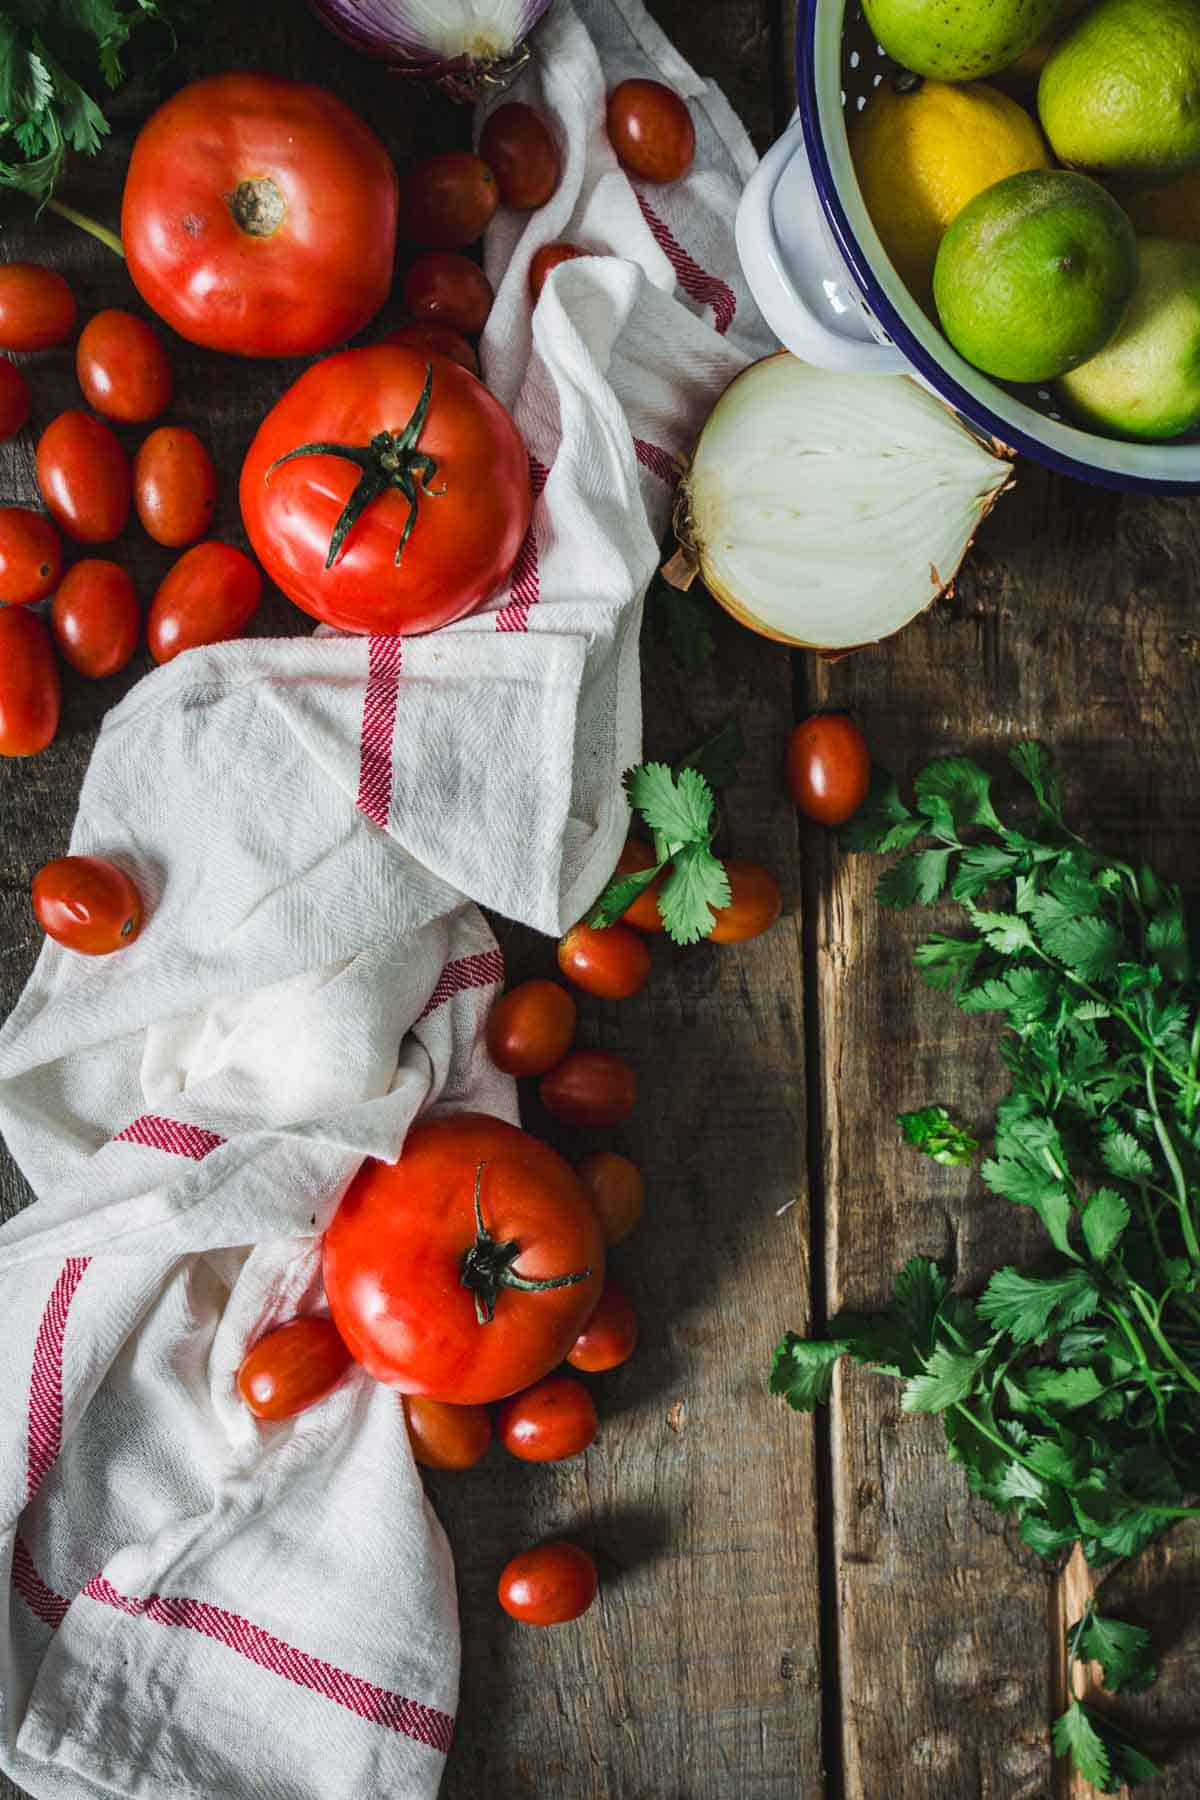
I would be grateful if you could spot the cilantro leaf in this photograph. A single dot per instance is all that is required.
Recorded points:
(620, 895)
(934, 1132)
(953, 792)
(1090, 947)
(1034, 763)
(1005, 932)
(718, 757)
(1030, 1307)
(802, 1370)
(1069, 1388)
(948, 1378)
(918, 877)
(981, 867)
(1123, 1651)
(1076, 1736)
(680, 807)
(1122, 1155)
(944, 962)
(882, 822)
(696, 884)
(1105, 1218)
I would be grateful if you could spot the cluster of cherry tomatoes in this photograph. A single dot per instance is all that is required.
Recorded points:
(448, 200)
(89, 486)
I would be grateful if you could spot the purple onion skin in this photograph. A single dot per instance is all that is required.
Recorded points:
(462, 77)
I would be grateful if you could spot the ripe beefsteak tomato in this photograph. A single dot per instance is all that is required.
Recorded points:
(387, 491)
(466, 1270)
(259, 216)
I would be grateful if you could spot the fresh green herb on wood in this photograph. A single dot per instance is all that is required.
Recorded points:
(57, 58)
(1070, 1393)
(680, 811)
(934, 1133)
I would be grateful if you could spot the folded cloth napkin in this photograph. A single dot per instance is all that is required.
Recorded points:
(306, 819)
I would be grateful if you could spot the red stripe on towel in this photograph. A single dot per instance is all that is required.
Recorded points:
(381, 1706)
(705, 289)
(45, 1380)
(484, 970)
(526, 587)
(384, 659)
(157, 1133)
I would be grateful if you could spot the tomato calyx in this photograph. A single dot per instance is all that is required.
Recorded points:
(488, 1266)
(390, 460)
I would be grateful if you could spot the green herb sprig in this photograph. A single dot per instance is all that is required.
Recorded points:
(1070, 1393)
(679, 808)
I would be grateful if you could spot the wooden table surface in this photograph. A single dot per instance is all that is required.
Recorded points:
(791, 1609)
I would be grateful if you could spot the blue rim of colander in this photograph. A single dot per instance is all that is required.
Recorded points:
(896, 327)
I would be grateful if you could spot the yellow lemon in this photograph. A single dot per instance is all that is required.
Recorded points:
(1171, 211)
(922, 150)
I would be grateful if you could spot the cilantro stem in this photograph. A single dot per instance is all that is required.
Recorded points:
(1182, 1198)
(1189, 1104)
(1150, 1318)
(92, 226)
(1117, 1313)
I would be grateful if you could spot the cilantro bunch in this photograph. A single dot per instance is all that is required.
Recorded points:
(1070, 1393)
(56, 57)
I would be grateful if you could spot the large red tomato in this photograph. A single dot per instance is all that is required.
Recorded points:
(387, 491)
(260, 216)
(467, 1269)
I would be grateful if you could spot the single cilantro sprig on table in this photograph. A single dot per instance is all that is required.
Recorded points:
(934, 1133)
(56, 58)
(1070, 1393)
(680, 811)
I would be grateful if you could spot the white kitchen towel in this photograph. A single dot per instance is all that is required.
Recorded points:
(198, 1605)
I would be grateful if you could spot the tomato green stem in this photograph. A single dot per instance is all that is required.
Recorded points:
(488, 1266)
(390, 460)
(92, 226)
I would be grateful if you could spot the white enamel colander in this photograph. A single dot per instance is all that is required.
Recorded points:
(824, 283)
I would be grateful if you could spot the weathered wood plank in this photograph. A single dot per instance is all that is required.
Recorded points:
(698, 1673)
(1075, 621)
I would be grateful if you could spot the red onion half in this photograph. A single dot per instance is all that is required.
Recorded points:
(464, 46)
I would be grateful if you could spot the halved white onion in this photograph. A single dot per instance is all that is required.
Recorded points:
(828, 510)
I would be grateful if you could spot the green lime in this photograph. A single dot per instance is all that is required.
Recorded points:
(957, 40)
(1034, 275)
(1145, 383)
(1121, 93)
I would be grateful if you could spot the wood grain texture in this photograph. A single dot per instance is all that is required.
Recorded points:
(1075, 622)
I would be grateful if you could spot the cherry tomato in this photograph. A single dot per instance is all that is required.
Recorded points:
(30, 693)
(644, 913)
(207, 597)
(95, 617)
(432, 336)
(531, 1028)
(754, 904)
(14, 400)
(292, 1368)
(615, 1188)
(174, 486)
(651, 130)
(609, 1336)
(549, 1585)
(590, 1087)
(517, 146)
(547, 259)
(466, 473)
(37, 308)
(447, 289)
(828, 768)
(446, 1437)
(87, 904)
(122, 367)
(465, 1270)
(83, 475)
(613, 963)
(447, 201)
(30, 555)
(259, 216)
(549, 1421)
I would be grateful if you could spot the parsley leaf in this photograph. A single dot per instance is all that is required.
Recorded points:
(697, 882)
(934, 1132)
(882, 822)
(1075, 1736)
(1122, 1650)
(802, 1371)
(1030, 1307)
(680, 807)
(919, 877)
